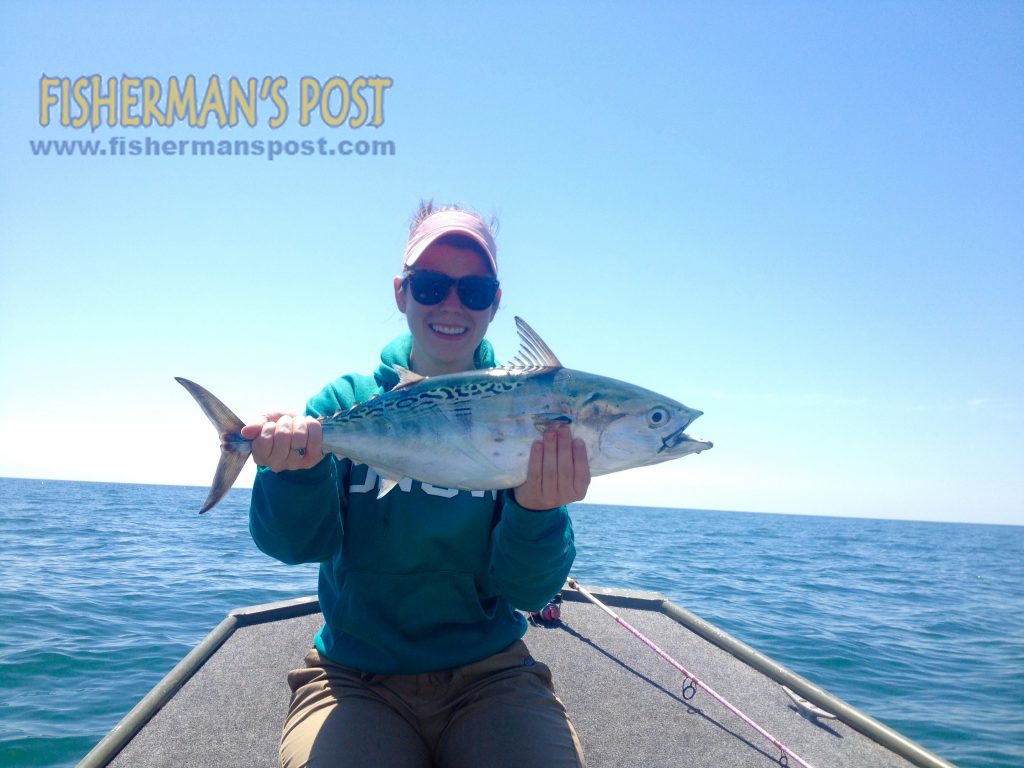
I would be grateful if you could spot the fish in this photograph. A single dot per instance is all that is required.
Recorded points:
(473, 430)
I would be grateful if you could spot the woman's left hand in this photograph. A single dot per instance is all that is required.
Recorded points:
(558, 473)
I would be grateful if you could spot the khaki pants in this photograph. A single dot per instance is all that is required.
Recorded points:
(501, 711)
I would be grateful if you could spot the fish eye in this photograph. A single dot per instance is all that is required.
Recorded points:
(658, 416)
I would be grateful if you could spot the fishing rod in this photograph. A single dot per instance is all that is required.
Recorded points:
(690, 677)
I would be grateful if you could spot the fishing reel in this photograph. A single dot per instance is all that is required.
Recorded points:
(549, 615)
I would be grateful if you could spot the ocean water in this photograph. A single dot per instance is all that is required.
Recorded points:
(105, 587)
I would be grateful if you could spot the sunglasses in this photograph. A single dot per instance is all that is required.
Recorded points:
(429, 288)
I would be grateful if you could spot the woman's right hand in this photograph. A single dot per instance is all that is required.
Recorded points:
(283, 441)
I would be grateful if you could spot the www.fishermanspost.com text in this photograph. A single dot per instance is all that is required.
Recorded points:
(120, 146)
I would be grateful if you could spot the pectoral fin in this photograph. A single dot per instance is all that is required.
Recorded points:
(545, 421)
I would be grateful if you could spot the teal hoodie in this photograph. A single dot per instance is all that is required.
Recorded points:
(426, 578)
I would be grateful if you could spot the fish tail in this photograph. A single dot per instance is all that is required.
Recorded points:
(234, 449)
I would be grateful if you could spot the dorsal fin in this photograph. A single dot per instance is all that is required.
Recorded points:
(406, 378)
(533, 352)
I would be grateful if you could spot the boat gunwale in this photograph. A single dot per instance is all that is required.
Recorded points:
(150, 704)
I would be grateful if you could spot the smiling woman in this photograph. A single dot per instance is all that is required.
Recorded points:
(420, 586)
(447, 247)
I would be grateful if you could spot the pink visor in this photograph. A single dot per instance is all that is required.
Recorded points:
(448, 223)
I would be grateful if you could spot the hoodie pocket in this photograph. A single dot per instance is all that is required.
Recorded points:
(409, 604)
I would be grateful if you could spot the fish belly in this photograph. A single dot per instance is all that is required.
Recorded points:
(477, 456)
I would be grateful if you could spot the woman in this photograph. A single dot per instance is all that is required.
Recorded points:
(420, 661)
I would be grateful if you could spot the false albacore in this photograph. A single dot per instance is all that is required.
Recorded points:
(473, 430)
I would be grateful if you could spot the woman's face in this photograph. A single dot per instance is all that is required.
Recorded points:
(445, 335)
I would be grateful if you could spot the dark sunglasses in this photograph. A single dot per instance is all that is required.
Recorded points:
(429, 288)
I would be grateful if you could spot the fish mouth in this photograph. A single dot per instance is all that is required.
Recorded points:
(679, 438)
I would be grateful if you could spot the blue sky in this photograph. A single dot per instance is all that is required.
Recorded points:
(801, 218)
